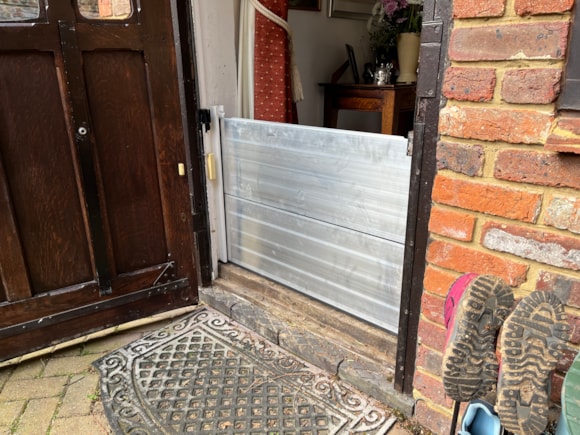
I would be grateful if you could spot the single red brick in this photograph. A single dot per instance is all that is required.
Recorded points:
(478, 8)
(452, 224)
(463, 259)
(563, 212)
(570, 122)
(532, 244)
(531, 85)
(431, 388)
(562, 145)
(565, 136)
(545, 169)
(433, 419)
(469, 84)
(574, 323)
(462, 158)
(429, 360)
(431, 334)
(516, 204)
(432, 307)
(495, 124)
(535, 7)
(538, 40)
(556, 387)
(438, 281)
(566, 361)
(565, 287)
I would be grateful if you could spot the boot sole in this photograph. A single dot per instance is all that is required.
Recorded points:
(469, 363)
(532, 343)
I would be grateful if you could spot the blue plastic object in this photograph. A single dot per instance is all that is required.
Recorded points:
(480, 419)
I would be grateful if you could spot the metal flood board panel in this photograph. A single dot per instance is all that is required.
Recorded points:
(352, 179)
(322, 211)
(350, 270)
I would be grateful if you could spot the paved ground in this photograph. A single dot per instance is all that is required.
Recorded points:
(56, 391)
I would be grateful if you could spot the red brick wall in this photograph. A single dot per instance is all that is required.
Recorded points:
(504, 202)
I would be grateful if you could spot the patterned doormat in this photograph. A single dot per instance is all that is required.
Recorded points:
(206, 374)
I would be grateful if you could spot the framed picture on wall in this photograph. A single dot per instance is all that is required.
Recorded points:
(305, 5)
(353, 9)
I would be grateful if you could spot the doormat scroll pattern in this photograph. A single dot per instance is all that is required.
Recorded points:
(205, 374)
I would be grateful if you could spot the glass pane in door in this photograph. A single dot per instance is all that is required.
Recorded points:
(19, 10)
(105, 9)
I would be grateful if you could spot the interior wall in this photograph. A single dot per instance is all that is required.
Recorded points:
(215, 32)
(319, 43)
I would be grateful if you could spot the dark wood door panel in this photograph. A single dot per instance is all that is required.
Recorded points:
(14, 284)
(40, 172)
(127, 157)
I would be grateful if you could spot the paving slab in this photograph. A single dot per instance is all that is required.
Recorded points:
(10, 412)
(21, 389)
(28, 369)
(37, 416)
(79, 396)
(86, 424)
(69, 365)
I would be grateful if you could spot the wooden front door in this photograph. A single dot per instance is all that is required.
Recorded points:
(95, 215)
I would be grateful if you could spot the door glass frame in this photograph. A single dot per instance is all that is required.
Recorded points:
(39, 18)
(132, 18)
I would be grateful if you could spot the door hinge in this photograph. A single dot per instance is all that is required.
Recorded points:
(204, 118)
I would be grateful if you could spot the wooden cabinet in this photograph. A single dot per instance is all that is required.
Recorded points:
(396, 103)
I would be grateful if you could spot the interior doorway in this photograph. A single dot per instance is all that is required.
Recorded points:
(434, 40)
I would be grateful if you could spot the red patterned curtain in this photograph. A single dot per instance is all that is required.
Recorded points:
(272, 78)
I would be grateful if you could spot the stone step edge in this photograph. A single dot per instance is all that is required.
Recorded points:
(265, 292)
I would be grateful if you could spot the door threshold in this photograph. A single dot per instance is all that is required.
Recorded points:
(351, 349)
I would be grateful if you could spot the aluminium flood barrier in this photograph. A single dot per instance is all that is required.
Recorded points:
(322, 211)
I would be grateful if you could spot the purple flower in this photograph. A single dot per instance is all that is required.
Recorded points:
(391, 6)
(404, 15)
